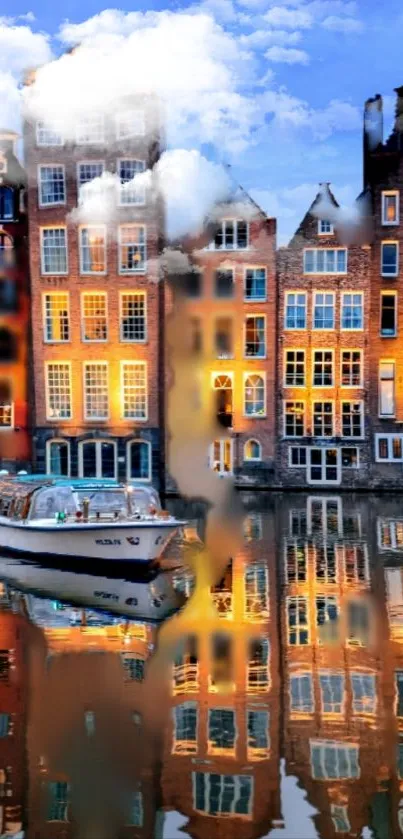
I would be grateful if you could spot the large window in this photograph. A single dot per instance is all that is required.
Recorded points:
(295, 562)
(294, 413)
(232, 234)
(364, 692)
(139, 460)
(254, 395)
(255, 336)
(221, 731)
(255, 284)
(351, 368)
(295, 310)
(96, 398)
(90, 130)
(185, 728)
(388, 314)
(54, 250)
(133, 316)
(87, 171)
(97, 459)
(48, 134)
(256, 592)
(6, 203)
(56, 317)
(94, 316)
(6, 404)
(58, 457)
(58, 390)
(388, 447)
(325, 261)
(52, 186)
(386, 388)
(323, 419)
(134, 390)
(129, 123)
(325, 564)
(224, 283)
(352, 419)
(323, 310)
(93, 250)
(352, 313)
(322, 368)
(332, 692)
(222, 795)
(258, 745)
(297, 621)
(58, 801)
(390, 207)
(294, 375)
(330, 759)
(132, 249)
(301, 693)
(130, 191)
(327, 612)
(389, 259)
(258, 671)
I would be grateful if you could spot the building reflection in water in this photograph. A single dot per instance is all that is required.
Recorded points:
(304, 666)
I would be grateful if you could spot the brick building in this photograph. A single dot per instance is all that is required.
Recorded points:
(15, 441)
(323, 355)
(95, 301)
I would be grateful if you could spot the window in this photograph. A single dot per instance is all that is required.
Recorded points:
(131, 192)
(352, 316)
(298, 522)
(386, 388)
(389, 259)
(52, 186)
(222, 795)
(134, 390)
(297, 456)
(223, 337)
(133, 666)
(48, 135)
(254, 395)
(89, 722)
(256, 591)
(6, 203)
(295, 562)
(185, 728)
(339, 814)
(301, 694)
(255, 336)
(221, 731)
(351, 368)
(96, 400)
(9, 295)
(5, 725)
(357, 623)
(58, 801)
(325, 261)
(355, 563)
(297, 619)
(295, 310)
(322, 368)
(399, 693)
(136, 817)
(324, 227)
(58, 457)
(352, 419)
(6, 251)
(258, 675)
(231, 235)
(323, 312)
(323, 419)
(390, 538)
(6, 405)
(258, 745)
(88, 171)
(294, 368)
(139, 460)
(253, 527)
(191, 282)
(252, 450)
(54, 250)
(388, 447)
(58, 391)
(332, 692)
(132, 249)
(324, 515)
(294, 419)
(349, 457)
(92, 250)
(224, 283)
(364, 693)
(133, 316)
(330, 759)
(186, 667)
(325, 564)
(255, 284)
(129, 124)
(327, 612)
(388, 314)
(90, 130)
(56, 316)
(94, 318)
(390, 207)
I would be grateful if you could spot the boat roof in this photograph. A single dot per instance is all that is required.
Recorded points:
(30, 483)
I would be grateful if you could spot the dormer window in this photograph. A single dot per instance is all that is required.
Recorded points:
(6, 203)
(325, 227)
(231, 235)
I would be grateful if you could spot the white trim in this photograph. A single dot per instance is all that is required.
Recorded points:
(102, 227)
(130, 363)
(48, 447)
(128, 447)
(118, 118)
(342, 746)
(352, 328)
(293, 436)
(325, 232)
(359, 402)
(390, 273)
(324, 272)
(322, 350)
(324, 401)
(388, 437)
(105, 365)
(323, 502)
(98, 461)
(51, 204)
(44, 295)
(41, 231)
(295, 328)
(391, 361)
(58, 363)
(86, 163)
(223, 441)
(305, 627)
(352, 350)
(96, 115)
(292, 465)
(295, 350)
(121, 203)
(130, 272)
(315, 292)
(255, 299)
(217, 750)
(245, 376)
(252, 459)
(385, 194)
(50, 128)
(249, 315)
(235, 223)
(323, 481)
(235, 798)
(137, 293)
(9, 380)
(92, 293)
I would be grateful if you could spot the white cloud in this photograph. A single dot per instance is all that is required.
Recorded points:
(283, 55)
(20, 48)
(267, 37)
(288, 18)
(342, 24)
(337, 116)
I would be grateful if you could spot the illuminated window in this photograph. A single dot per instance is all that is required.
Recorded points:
(47, 134)
(186, 667)
(294, 413)
(325, 261)
(352, 312)
(231, 235)
(351, 368)
(6, 253)
(258, 746)
(332, 692)
(297, 619)
(390, 207)
(56, 312)
(94, 317)
(399, 693)
(389, 259)
(388, 314)
(256, 592)
(323, 310)
(185, 728)
(129, 124)
(252, 450)
(52, 185)
(352, 419)
(388, 448)
(54, 250)
(132, 249)
(96, 398)
(93, 250)
(222, 795)
(355, 562)
(134, 667)
(324, 227)
(322, 368)
(295, 562)
(255, 284)
(255, 336)
(131, 192)
(323, 420)
(221, 676)
(325, 563)
(254, 395)
(330, 759)
(134, 389)
(221, 731)
(295, 310)
(138, 460)
(58, 391)
(58, 457)
(58, 801)
(90, 130)
(294, 368)
(6, 203)
(363, 686)
(386, 388)
(301, 693)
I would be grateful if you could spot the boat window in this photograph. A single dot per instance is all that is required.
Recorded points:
(104, 501)
(5, 505)
(53, 500)
(143, 499)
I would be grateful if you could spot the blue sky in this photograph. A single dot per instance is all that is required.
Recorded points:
(310, 66)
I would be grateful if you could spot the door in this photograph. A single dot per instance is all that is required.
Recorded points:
(323, 466)
(97, 459)
(221, 457)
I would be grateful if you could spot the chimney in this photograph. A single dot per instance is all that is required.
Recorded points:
(373, 130)
(399, 110)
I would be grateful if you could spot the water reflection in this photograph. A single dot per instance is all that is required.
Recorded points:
(286, 720)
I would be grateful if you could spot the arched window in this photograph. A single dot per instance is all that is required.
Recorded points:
(252, 450)
(138, 460)
(6, 203)
(58, 457)
(223, 387)
(254, 397)
(8, 345)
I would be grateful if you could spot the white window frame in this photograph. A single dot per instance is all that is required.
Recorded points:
(291, 560)
(48, 417)
(79, 138)
(326, 674)
(293, 436)
(295, 292)
(150, 467)
(362, 674)
(324, 272)
(351, 350)
(136, 293)
(339, 814)
(341, 550)
(125, 115)
(83, 296)
(131, 272)
(380, 362)
(252, 459)
(323, 436)
(262, 374)
(235, 247)
(305, 627)
(87, 163)
(217, 750)
(323, 481)
(48, 448)
(237, 789)
(342, 304)
(105, 365)
(83, 227)
(294, 350)
(263, 298)
(292, 465)
(342, 745)
(250, 316)
(395, 543)
(390, 273)
(223, 442)
(11, 404)
(323, 503)
(321, 232)
(144, 364)
(137, 203)
(359, 402)
(260, 752)
(323, 350)
(331, 294)
(44, 206)
(296, 713)
(387, 193)
(46, 294)
(98, 448)
(41, 232)
(389, 438)
(45, 127)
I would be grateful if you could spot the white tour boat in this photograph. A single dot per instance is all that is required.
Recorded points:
(44, 517)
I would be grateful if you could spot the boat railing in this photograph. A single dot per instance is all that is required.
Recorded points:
(104, 516)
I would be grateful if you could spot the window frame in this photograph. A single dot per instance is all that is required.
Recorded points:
(387, 193)
(299, 436)
(342, 304)
(48, 446)
(285, 363)
(305, 295)
(118, 119)
(292, 465)
(323, 414)
(66, 244)
(252, 459)
(386, 293)
(47, 340)
(245, 376)
(83, 296)
(336, 745)
(143, 201)
(391, 361)
(305, 626)
(234, 221)
(390, 273)
(81, 228)
(321, 232)
(67, 364)
(136, 293)
(322, 350)
(131, 362)
(250, 316)
(389, 437)
(105, 364)
(362, 419)
(98, 460)
(87, 163)
(47, 145)
(131, 272)
(50, 204)
(324, 272)
(10, 383)
(99, 142)
(129, 444)
(263, 298)
(332, 294)
(361, 353)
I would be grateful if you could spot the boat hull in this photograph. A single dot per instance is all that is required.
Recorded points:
(143, 542)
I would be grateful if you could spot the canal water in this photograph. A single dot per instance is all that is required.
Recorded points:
(267, 704)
